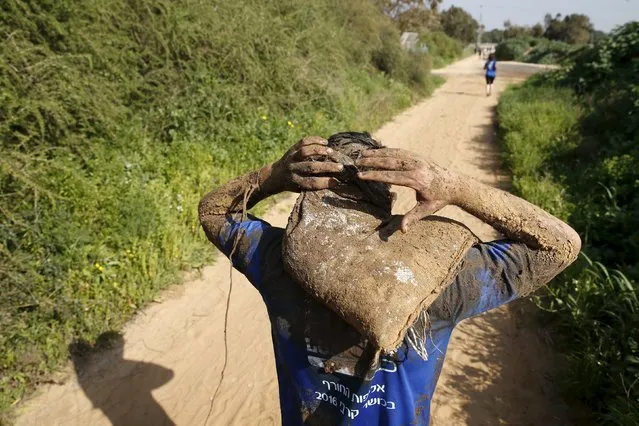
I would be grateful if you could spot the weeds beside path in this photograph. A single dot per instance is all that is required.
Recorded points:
(571, 140)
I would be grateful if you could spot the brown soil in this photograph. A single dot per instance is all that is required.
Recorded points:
(498, 368)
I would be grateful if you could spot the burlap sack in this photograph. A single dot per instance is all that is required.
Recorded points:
(375, 277)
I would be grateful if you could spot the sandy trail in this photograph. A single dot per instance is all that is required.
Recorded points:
(497, 368)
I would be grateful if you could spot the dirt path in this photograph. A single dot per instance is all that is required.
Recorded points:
(496, 370)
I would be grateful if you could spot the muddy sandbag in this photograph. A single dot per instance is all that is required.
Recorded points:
(359, 264)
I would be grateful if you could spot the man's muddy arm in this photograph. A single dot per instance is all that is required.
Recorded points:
(234, 198)
(555, 243)
(552, 244)
(297, 170)
(516, 218)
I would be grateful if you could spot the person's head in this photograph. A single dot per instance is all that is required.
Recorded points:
(491, 57)
(348, 146)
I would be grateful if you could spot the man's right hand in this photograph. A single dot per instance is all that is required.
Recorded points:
(302, 168)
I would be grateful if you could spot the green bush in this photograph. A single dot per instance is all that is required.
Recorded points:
(512, 49)
(388, 56)
(571, 139)
(534, 50)
(442, 49)
(536, 122)
(611, 65)
(116, 117)
(598, 307)
(550, 52)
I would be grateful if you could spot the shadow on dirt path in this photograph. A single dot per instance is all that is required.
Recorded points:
(486, 157)
(108, 380)
(498, 372)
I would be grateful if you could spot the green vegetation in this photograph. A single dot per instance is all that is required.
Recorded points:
(571, 139)
(116, 117)
(442, 34)
(412, 15)
(442, 49)
(513, 49)
(550, 52)
(459, 24)
(554, 42)
(572, 29)
(534, 50)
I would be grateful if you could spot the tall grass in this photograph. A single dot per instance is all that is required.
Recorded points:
(115, 117)
(535, 50)
(571, 140)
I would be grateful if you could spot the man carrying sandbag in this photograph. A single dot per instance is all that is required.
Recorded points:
(362, 303)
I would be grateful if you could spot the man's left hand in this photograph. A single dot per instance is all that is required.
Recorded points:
(434, 186)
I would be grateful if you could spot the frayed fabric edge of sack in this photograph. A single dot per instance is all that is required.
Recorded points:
(418, 327)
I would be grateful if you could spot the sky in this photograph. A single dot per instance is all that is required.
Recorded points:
(604, 14)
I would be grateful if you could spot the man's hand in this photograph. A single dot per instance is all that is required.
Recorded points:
(554, 244)
(303, 168)
(434, 186)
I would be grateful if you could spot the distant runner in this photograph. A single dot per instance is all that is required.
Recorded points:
(491, 72)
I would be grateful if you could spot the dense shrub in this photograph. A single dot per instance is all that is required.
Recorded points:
(442, 49)
(115, 117)
(549, 52)
(534, 50)
(571, 139)
(512, 49)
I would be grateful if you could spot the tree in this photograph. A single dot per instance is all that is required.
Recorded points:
(493, 36)
(548, 20)
(394, 8)
(538, 30)
(459, 24)
(597, 36)
(434, 5)
(573, 29)
(416, 19)
(412, 15)
(578, 28)
(514, 31)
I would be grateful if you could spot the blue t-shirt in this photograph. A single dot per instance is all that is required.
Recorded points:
(491, 68)
(326, 370)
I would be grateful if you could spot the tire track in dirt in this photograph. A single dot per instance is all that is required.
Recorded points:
(497, 368)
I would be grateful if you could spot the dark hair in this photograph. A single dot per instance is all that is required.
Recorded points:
(491, 57)
(353, 143)
(350, 145)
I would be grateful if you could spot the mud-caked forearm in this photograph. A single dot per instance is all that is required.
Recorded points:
(554, 244)
(234, 197)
